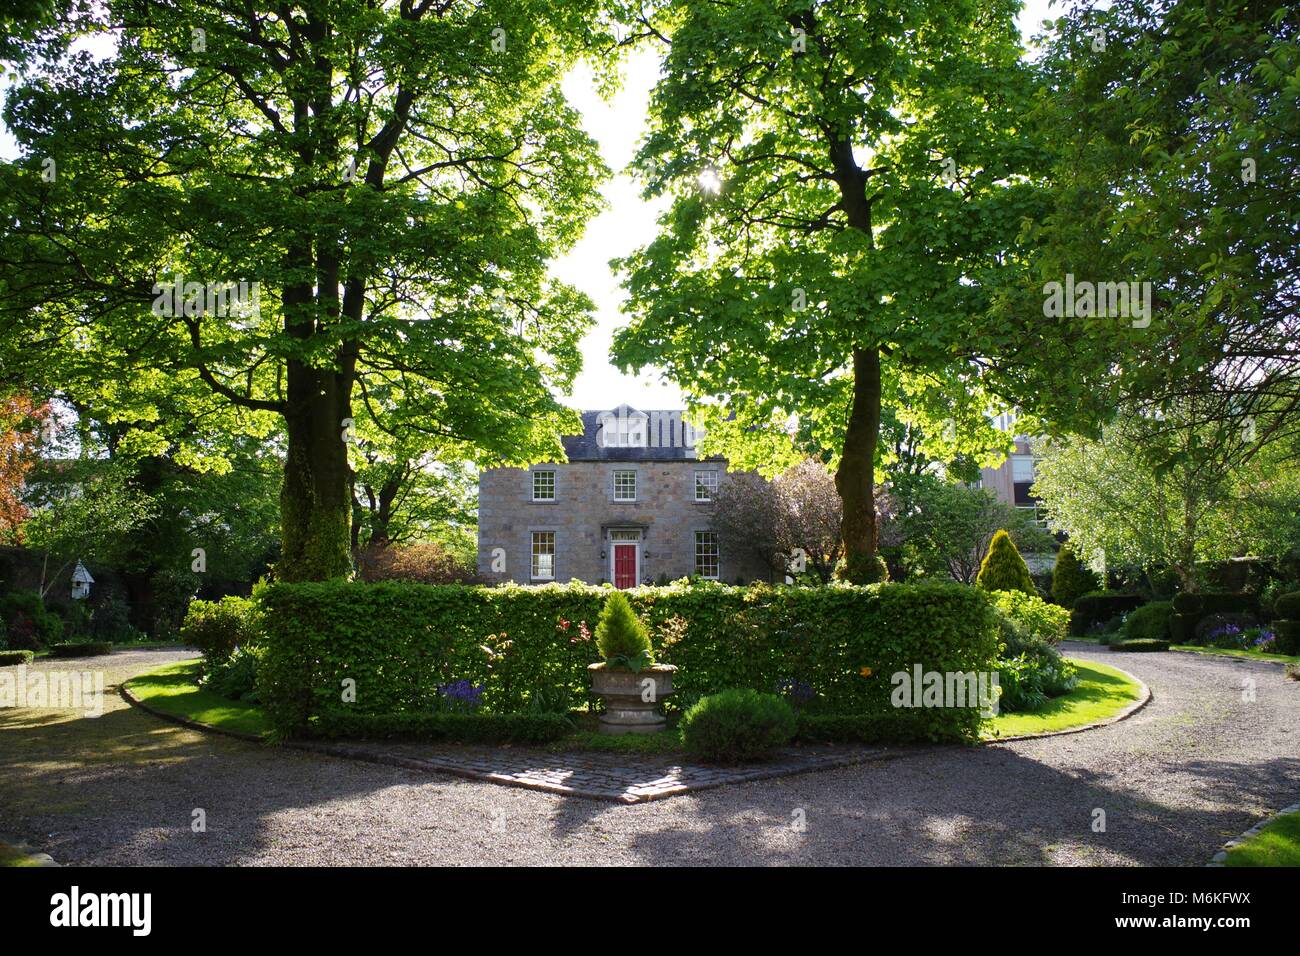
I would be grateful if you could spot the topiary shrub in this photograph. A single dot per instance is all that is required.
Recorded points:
(218, 627)
(621, 637)
(861, 569)
(1149, 622)
(11, 658)
(737, 725)
(1286, 629)
(1288, 606)
(1003, 569)
(1071, 579)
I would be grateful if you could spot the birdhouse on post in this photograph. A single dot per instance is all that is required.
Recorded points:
(81, 582)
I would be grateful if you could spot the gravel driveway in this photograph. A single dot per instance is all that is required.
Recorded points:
(1203, 761)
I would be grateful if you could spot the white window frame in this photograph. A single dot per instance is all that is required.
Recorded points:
(534, 566)
(538, 474)
(710, 489)
(623, 472)
(1023, 460)
(700, 542)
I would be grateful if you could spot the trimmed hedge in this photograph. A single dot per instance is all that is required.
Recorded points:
(1191, 608)
(1141, 644)
(1150, 622)
(856, 729)
(399, 642)
(1288, 606)
(445, 727)
(82, 649)
(1099, 607)
(10, 658)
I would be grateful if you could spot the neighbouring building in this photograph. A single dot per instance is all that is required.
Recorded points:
(632, 505)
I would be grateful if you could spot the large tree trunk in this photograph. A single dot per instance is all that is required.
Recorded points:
(855, 477)
(315, 502)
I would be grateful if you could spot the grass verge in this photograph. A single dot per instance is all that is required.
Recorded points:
(1102, 692)
(171, 690)
(1230, 652)
(1278, 844)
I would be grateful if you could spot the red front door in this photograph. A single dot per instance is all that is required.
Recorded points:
(624, 565)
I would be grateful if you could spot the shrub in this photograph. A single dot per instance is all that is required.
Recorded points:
(1288, 606)
(1142, 644)
(234, 677)
(1190, 609)
(1286, 635)
(737, 725)
(1071, 579)
(173, 591)
(10, 658)
(1003, 569)
(1150, 622)
(859, 568)
(28, 624)
(218, 627)
(452, 728)
(1292, 671)
(621, 637)
(1046, 622)
(1100, 607)
(400, 642)
(81, 649)
(111, 622)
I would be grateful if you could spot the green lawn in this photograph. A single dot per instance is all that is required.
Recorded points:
(1278, 844)
(1257, 655)
(1102, 692)
(171, 689)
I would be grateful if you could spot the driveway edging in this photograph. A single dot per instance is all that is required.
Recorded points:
(1219, 858)
(1127, 712)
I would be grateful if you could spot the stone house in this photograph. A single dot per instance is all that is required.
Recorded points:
(631, 505)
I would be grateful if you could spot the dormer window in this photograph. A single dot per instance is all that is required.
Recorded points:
(624, 427)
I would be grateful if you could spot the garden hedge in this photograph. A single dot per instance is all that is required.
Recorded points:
(81, 649)
(9, 658)
(1099, 607)
(1191, 608)
(399, 642)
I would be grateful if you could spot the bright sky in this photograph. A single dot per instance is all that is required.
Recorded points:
(628, 222)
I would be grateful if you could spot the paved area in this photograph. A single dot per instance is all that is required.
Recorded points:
(1217, 749)
(599, 776)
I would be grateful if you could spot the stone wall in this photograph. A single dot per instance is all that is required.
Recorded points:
(584, 512)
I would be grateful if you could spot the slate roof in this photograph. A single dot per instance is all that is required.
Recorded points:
(666, 437)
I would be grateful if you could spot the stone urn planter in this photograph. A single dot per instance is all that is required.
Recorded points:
(627, 711)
